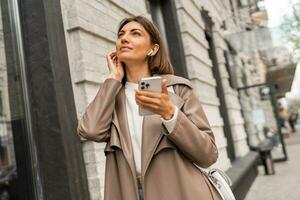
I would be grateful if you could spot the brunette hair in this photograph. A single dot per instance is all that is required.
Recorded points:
(159, 63)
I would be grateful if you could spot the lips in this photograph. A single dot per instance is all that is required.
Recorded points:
(125, 48)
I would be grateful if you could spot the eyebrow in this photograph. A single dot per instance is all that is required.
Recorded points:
(134, 29)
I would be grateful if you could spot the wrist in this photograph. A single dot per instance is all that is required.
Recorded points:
(113, 76)
(170, 113)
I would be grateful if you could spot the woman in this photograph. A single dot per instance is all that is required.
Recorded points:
(153, 157)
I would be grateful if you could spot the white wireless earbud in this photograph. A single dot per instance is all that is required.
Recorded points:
(150, 53)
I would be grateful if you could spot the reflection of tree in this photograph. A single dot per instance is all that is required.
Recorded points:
(291, 28)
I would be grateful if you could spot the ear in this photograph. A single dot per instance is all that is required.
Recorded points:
(155, 49)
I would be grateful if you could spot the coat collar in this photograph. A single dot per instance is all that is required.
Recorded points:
(174, 80)
(152, 126)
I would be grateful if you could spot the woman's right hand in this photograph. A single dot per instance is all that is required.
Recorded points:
(115, 66)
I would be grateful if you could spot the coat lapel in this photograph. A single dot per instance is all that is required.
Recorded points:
(151, 135)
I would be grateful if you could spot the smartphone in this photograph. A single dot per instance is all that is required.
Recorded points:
(149, 84)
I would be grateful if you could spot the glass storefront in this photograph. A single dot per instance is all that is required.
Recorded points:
(8, 171)
(17, 163)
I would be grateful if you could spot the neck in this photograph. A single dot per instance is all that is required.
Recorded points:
(136, 71)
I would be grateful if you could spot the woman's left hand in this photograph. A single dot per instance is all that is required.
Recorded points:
(159, 103)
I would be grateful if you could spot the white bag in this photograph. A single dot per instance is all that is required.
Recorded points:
(222, 183)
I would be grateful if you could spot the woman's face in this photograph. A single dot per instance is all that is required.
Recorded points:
(133, 43)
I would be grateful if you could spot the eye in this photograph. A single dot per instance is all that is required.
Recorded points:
(120, 34)
(136, 33)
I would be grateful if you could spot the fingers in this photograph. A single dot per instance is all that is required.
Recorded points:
(111, 56)
(112, 61)
(148, 93)
(119, 63)
(149, 106)
(147, 100)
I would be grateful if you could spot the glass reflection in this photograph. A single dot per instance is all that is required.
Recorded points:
(8, 171)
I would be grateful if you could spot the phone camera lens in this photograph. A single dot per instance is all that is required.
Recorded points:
(143, 83)
(147, 85)
(142, 87)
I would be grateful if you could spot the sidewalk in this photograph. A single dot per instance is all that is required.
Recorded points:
(285, 184)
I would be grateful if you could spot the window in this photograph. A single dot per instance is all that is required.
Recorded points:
(158, 19)
(164, 15)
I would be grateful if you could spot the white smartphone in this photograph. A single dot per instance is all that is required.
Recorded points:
(149, 84)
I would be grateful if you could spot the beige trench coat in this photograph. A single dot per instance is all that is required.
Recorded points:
(168, 161)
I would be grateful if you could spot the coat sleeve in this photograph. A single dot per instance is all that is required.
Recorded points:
(192, 133)
(96, 121)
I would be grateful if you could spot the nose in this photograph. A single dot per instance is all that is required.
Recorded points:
(124, 38)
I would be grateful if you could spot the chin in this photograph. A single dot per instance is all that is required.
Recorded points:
(125, 58)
